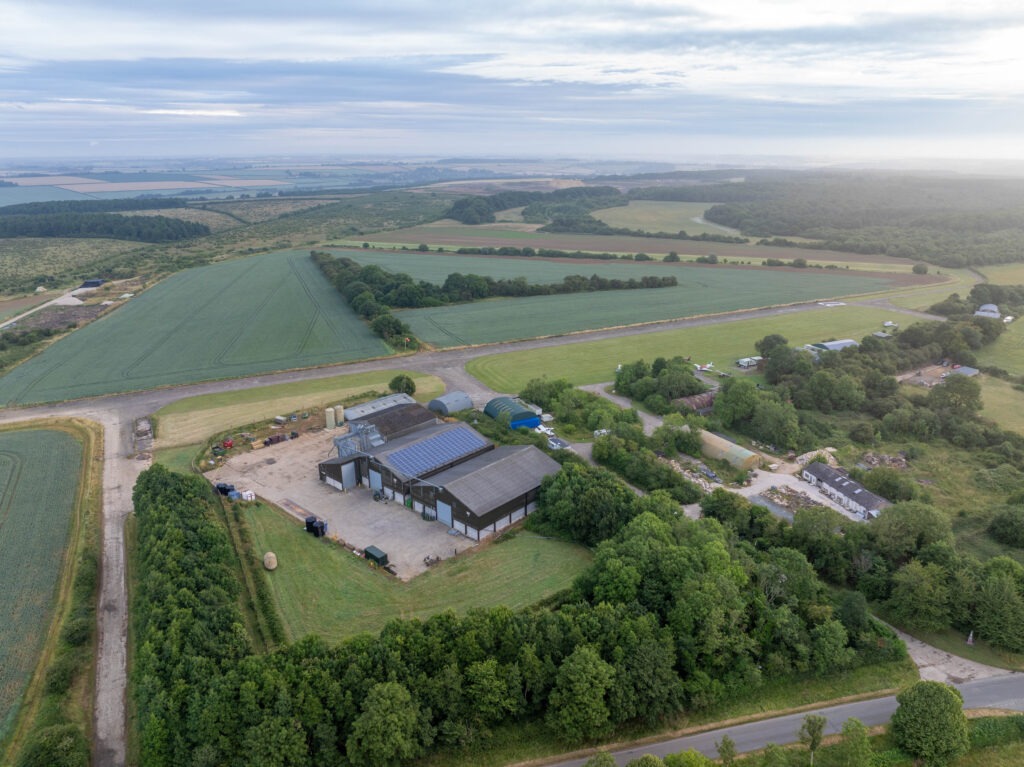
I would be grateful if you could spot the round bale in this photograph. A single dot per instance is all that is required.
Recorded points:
(270, 560)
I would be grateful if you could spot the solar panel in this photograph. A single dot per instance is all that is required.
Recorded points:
(422, 457)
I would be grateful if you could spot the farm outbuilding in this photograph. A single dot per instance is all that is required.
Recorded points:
(452, 402)
(835, 346)
(991, 311)
(520, 416)
(355, 412)
(487, 493)
(843, 490)
(721, 449)
(397, 420)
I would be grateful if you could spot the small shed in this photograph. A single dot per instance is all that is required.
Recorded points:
(991, 311)
(520, 416)
(452, 402)
(719, 448)
(376, 556)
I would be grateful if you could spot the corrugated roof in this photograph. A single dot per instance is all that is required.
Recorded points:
(515, 409)
(398, 419)
(452, 402)
(487, 481)
(356, 412)
(843, 484)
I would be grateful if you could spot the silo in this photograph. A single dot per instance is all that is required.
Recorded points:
(339, 414)
(329, 417)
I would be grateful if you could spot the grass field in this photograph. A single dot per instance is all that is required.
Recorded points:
(39, 473)
(1002, 403)
(1004, 274)
(1008, 350)
(236, 318)
(658, 216)
(191, 420)
(323, 589)
(723, 343)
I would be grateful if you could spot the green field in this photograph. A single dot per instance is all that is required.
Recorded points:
(1003, 274)
(236, 318)
(39, 473)
(1008, 350)
(320, 588)
(658, 216)
(1002, 403)
(722, 343)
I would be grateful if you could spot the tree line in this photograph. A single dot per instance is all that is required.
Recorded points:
(537, 206)
(91, 206)
(673, 615)
(109, 225)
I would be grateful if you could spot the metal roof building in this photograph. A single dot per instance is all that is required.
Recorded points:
(845, 491)
(452, 402)
(397, 420)
(356, 412)
(719, 448)
(519, 414)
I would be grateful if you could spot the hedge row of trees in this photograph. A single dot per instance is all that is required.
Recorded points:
(537, 206)
(672, 616)
(91, 206)
(136, 228)
(506, 250)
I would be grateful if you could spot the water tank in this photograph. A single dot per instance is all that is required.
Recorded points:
(339, 414)
(329, 418)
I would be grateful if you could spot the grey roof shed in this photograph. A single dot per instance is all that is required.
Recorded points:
(452, 402)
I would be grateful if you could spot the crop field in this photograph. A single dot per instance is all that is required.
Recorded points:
(236, 318)
(452, 234)
(25, 259)
(657, 216)
(701, 291)
(320, 588)
(193, 419)
(1008, 350)
(722, 343)
(1004, 274)
(39, 473)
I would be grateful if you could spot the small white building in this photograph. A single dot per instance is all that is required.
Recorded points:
(843, 490)
(748, 362)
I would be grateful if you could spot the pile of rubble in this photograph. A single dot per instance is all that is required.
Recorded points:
(789, 498)
(874, 460)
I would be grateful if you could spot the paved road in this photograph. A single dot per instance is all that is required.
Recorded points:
(118, 412)
(1004, 692)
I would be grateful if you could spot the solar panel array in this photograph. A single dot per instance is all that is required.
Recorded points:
(434, 452)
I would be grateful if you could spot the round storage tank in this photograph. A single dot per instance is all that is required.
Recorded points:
(339, 414)
(329, 418)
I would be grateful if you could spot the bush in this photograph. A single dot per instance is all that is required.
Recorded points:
(62, 745)
(1007, 526)
(77, 632)
(61, 673)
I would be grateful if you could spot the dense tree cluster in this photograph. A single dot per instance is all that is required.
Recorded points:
(113, 226)
(10, 338)
(672, 615)
(537, 206)
(1009, 299)
(905, 558)
(658, 384)
(575, 406)
(91, 206)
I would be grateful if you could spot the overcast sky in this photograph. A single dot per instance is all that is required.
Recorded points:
(584, 78)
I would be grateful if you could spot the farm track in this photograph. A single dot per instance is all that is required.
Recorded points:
(117, 414)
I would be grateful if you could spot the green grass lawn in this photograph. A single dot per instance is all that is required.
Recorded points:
(1002, 403)
(723, 343)
(177, 459)
(235, 318)
(1008, 350)
(660, 216)
(1004, 274)
(320, 588)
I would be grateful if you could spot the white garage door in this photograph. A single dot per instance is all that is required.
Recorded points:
(444, 513)
(348, 475)
(376, 483)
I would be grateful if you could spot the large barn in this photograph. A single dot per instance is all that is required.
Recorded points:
(519, 415)
(443, 471)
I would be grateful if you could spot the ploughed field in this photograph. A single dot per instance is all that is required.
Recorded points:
(701, 290)
(236, 318)
(39, 474)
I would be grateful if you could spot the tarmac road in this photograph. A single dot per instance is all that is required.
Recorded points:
(1005, 692)
(118, 412)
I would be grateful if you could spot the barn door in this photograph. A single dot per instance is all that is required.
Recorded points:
(348, 475)
(444, 513)
(376, 483)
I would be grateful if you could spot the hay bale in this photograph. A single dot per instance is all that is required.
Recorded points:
(270, 560)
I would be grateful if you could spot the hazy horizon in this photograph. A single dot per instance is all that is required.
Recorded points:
(644, 80)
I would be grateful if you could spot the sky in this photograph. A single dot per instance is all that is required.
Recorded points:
(647, 79)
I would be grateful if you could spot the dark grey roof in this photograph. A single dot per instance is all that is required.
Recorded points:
(354, 412)
(487, 481)
(431, 448)
(398, 420)
(843, 484)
